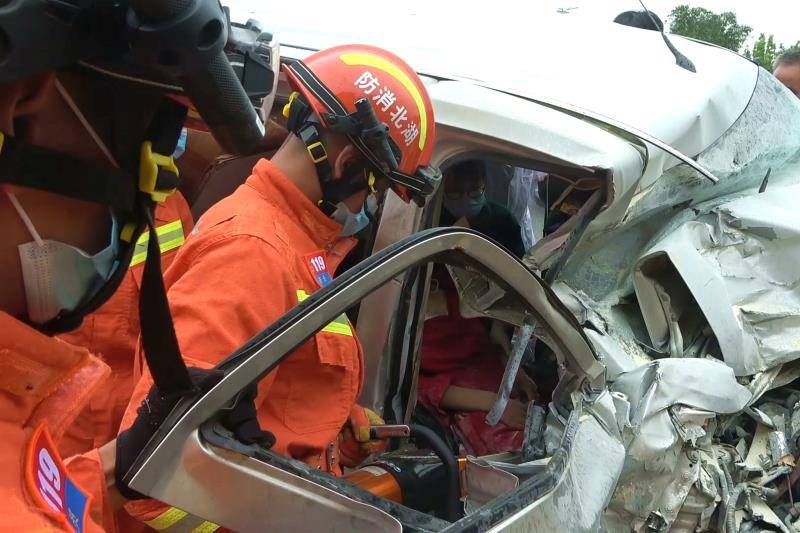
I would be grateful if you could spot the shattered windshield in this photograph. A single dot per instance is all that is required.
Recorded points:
(766, 136)
(765, 139)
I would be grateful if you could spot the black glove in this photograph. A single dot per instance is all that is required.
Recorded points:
(241, 420)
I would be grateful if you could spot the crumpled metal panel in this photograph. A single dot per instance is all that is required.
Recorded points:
(702, 383)
(610, 334)
(767, 135)
(664, 460)
(740, 264)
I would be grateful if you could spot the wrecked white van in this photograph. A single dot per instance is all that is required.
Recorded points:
(660, 293)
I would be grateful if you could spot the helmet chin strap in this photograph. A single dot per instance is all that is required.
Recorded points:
(334, 190)
(354, 180)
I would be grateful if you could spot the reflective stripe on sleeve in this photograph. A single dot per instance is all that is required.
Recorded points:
(170, 236)
(340, 324)
(206, 527)
(167, 519)
(173, 520)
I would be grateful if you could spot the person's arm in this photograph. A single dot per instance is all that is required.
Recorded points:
(464, 399)
(228, 290)
(231, 289)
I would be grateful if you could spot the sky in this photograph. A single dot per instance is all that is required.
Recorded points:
(779, 17)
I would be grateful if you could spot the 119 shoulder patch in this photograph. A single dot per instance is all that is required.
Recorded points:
(49, 484)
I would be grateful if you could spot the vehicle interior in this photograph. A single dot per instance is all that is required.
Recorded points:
(548, 204)
(541, 204)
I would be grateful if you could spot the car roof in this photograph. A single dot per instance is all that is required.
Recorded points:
(624, 73)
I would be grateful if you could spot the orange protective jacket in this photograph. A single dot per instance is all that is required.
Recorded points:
(112, 332)
(251, 258)
(44, 384)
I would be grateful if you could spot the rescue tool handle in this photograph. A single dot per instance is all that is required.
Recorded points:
(188, 37)
(386, 431)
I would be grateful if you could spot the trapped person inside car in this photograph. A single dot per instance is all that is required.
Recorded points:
(462, 360)
(787, 69)
(466, 204)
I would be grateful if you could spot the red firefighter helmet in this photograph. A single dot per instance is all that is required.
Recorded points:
(338, 81)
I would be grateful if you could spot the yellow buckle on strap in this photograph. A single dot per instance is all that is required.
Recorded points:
(288, 107)
(149, 164)
(312, 147)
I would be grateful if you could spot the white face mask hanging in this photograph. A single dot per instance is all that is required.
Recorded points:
(57, 276)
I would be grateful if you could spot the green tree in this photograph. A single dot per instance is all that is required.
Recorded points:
(764, 51)
(718, 28)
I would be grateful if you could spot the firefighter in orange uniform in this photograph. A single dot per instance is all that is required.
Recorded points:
(74, 203)
(61, 256)
(362, 121)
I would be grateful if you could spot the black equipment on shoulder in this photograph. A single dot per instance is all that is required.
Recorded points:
(177, 45)
(140, 67)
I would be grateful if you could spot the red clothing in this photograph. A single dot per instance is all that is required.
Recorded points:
(456, 351)
(44, 381)
(252, 257)
(112, 332)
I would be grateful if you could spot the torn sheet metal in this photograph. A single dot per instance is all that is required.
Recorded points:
(614, 355)
(767, 135)
(739, 263)
(690, 422)
(765, 514)
(580, 305)
(485, 482)
(535, 422)
(674, 403)
(702, 383)
(519, 342)
(611, 410)
(615, 348)
(476, 292)
(758, 454)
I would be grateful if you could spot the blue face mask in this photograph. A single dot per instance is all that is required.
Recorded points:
(465, 206)
(351, 222)
(180, 148)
